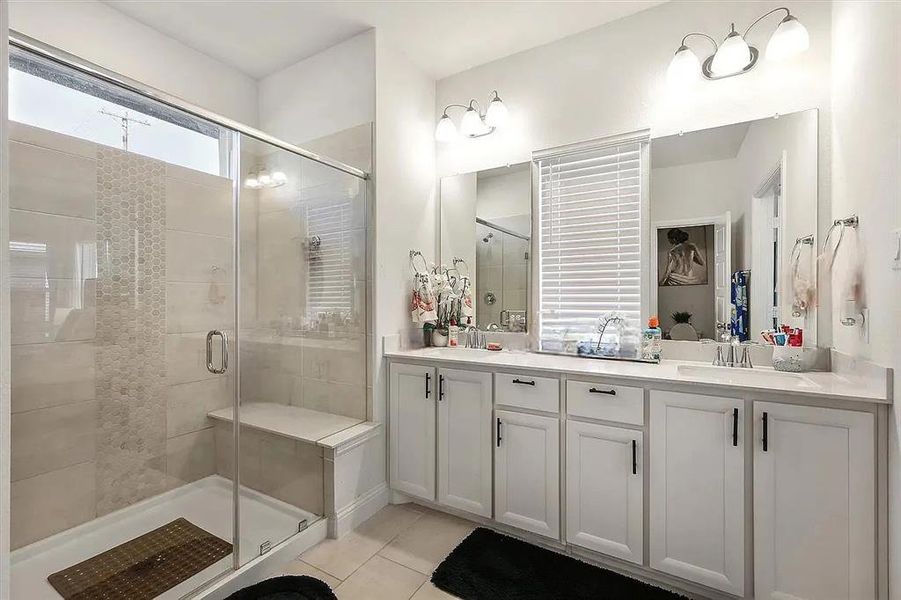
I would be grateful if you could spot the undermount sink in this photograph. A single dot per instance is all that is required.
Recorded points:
(756, 377)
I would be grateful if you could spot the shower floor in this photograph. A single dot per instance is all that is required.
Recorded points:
(206, 503)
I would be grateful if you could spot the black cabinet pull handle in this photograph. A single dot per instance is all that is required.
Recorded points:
(523, 382)
(441, 387)
(735, 427)
(765, 427)
(597, 391)
(498, 433)
(634, 457)
(428, 379)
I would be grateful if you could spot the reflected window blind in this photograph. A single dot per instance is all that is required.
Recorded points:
(590, 205)
(330, 287)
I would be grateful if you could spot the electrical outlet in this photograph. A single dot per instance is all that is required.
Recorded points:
(895, 248)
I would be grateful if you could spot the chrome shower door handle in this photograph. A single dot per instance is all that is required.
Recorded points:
(223, 340)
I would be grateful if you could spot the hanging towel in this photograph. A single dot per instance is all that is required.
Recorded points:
(803, 287)
(740, 309)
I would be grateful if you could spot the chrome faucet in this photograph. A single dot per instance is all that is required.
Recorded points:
(475, 338)
(737, 354)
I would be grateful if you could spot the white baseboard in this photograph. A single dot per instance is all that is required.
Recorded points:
(268, 565)
(352, 515)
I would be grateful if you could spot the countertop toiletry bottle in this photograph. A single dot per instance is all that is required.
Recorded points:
(452, 333)
(651, 340)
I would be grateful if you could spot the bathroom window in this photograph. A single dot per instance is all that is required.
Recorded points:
(592, 203)
(57, 98)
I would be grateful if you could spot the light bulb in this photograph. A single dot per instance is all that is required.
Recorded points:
(496, 115)
(264, 178)
(445, 131)
(279, 177)
(472, 123)
(252, 182)
(789, 39)
(685, 68)
(732, 56)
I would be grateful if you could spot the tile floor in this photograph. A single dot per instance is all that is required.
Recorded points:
(389, 557)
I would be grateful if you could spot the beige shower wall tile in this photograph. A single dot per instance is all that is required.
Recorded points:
(201, 208)
(199, 258)
(190, 457)
(189, 403)
(51, 140)
(51, 182)
(49, 439)
(49, 246)
(335, 360)
(186, 356)
(292, 472)
(53, 310)
(51, 374)
(336, 398)
(52, 502)
(198, 307)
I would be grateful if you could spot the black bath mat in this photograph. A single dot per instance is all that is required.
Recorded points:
(145, 567)
(491, 566)
(287, 587)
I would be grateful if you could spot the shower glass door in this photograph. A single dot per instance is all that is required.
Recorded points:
(121, 261)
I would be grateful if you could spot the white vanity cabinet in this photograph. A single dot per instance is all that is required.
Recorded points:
(697, 489)
(527, 472)
(814, 503)
(411, 406)
(604, 489)
(464, 440)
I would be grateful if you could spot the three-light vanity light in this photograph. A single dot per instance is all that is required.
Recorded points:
(474, 123)
(262, 178)
(735, 56)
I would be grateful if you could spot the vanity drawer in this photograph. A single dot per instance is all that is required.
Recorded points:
(606, 402)
(525, 391)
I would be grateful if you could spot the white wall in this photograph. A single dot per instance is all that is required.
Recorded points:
(866, 178)
(93, 31)
(321, 95)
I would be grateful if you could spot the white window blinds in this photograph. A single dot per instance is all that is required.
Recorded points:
(331, 281)
(591, 257)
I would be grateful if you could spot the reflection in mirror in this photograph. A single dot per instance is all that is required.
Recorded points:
(733, 213)
(486, 223)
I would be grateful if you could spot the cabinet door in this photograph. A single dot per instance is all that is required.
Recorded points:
(527, 472)
(411, 430)
(604, 489)
(814, 503)
(697, 521)
(464, 440)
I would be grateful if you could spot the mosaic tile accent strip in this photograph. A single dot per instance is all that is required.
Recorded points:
(145, 567)
(130, 359)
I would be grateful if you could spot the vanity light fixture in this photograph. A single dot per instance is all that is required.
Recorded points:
(734, 55)
(474, 123)
(262, 178)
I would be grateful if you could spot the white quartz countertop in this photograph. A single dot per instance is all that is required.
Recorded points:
(759, 379)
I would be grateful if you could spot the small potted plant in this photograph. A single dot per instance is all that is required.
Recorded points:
(683, 329)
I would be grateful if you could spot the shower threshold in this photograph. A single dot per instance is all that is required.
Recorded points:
(207, 503)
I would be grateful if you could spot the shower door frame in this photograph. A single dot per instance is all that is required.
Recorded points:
(235, 130)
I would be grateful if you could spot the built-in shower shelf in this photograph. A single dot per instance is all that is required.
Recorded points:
(294, 422)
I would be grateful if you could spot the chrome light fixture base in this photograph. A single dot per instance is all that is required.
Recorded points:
(708, 73)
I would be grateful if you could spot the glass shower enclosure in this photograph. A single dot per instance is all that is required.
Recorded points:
(174, 280)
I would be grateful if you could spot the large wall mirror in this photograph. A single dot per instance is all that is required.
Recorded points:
(486, 222)
(733, 213)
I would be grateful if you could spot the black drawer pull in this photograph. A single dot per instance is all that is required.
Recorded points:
(498, 433)
(428, 379)
(597, 391)
(735, 427)
(441, 387)
(765, 432)
(523, 382)
(634, 457)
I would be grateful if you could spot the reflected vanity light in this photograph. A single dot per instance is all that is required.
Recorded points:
(262, 178)
(474, 123)
(734, 55)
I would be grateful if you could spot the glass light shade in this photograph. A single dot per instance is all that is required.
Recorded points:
(445, 131)
(496, 115)
(789, 39)
(279, 177)
(685, 68)
(732, 56)
(472, 123)
(252, 183)
(264, 178)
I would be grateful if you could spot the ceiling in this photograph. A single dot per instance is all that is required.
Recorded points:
(263, 36)
(718, 143)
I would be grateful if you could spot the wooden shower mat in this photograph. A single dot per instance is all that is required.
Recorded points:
(145, 567)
